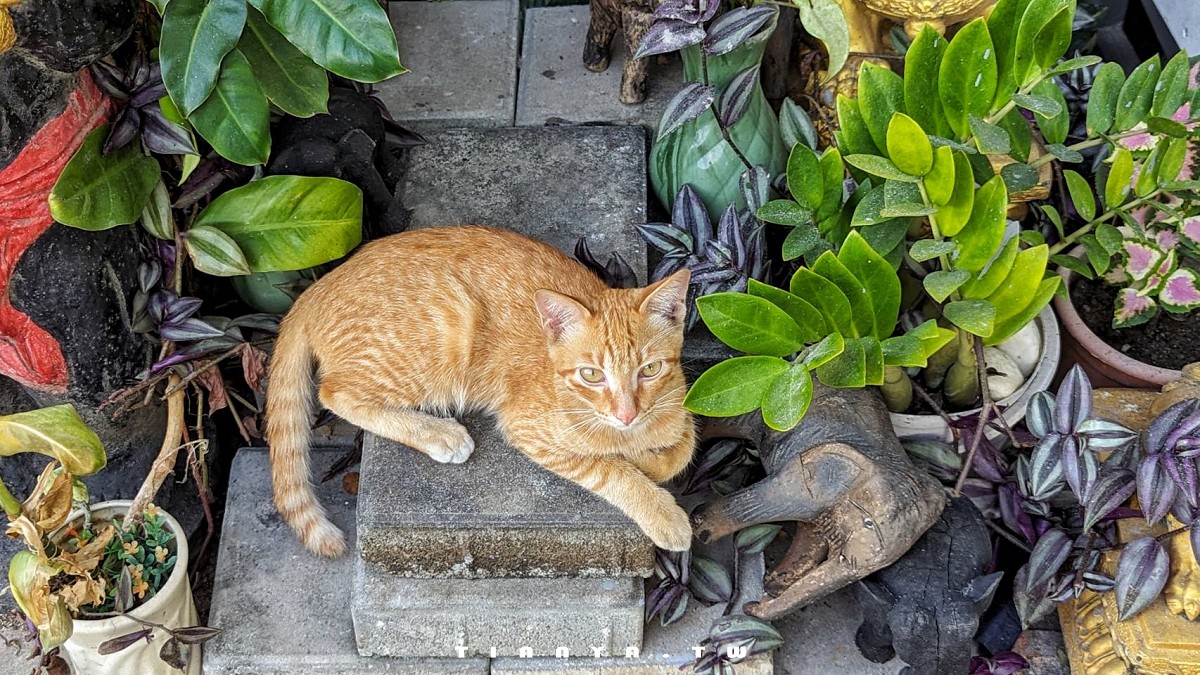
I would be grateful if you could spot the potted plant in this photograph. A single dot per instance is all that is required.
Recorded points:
(107, 592)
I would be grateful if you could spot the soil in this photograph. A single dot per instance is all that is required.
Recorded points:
(1167, 341)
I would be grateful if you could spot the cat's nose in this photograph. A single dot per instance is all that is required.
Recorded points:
(627, 416)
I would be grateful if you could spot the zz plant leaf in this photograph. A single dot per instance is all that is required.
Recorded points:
(734, 387)
(750, 324)
(967, 78)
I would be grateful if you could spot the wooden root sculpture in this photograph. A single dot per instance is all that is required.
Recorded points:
(632, 18)
(843, 476)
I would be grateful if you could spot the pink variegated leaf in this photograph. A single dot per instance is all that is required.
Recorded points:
(1181, 292)
(1140, 259)
(1139, 141)
(1133, 309)
(1184, 112)
(1117, 276)
(1167, 265)
(1152, 284)
(1190, 229)
(1166, 239)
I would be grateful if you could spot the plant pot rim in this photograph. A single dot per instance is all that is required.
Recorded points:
(178, 573)
(930, 425)
(1075, 325)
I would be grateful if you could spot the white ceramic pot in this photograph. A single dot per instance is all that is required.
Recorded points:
(172, 606)
(1014, 405)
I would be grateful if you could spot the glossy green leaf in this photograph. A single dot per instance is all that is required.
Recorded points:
(214, 252)
(1166, 127)
(734, 387)
(1172, 88)
(196, 36)
(922, 63)
(1096, 253)
(880, 94)
(879, 166)
(1137, 95)
(853, 134)
(869, 209)
(983, 234)
(1081, 194)
(1109, 237)
(1102, 99)
(1021, 284)
(289, 222)
(1008, 326)
(788, 398)
(886, 237)
(847, 369)
(967, 79)
(234, 118)
(908, 145)
(750, 324)
(861, 308)
(974, 316)
(351, 38)
(57, 432)
(940, 284)
(833, 174)
(825, 20)
(156, 216)
(1002, 23)
(905, 351)
(1173, 160)
(928, 249)
(1073, 264)
(1019, 134)
(1054, 128)
(825, 296)
(933, 337)
(825, 350)
(801, 241)
(784, 212)
(872, 360)
(1048, 107)
(96, 192)
(954, 214)
(1019, 177)
(810, 321)
(989, 138)
(881, 284)
(291, 80)
(939, 182)
(804, 178)
(1120, 173)
(995, 274)
(1041, 37)
(907, 211)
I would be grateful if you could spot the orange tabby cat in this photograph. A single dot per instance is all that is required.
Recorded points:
(583, 379)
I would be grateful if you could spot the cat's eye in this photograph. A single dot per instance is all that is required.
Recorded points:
(591, 375)
(651, 369)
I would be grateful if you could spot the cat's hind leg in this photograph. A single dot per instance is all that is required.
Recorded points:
(443, 439)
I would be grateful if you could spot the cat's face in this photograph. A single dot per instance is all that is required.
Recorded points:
(620, 357)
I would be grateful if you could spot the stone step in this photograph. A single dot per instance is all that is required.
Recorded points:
(553, 184)
(462, 63)
(496, 515)
(555, 87)
(395, 616)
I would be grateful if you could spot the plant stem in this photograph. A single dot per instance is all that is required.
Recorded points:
(183, 382)
(1088, 227)
(984, 411)
(920, 391)
(164, 464)
(1012, 538)
(717, 117)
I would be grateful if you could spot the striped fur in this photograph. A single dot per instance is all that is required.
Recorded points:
(425, 324)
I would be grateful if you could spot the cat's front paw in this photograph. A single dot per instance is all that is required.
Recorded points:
(671, 530)
(448, 442)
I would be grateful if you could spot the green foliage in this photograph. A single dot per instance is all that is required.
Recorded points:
(96, 191)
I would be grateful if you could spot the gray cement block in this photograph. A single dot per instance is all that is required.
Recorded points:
(819, 640)
(665, 650)
(554, 86)
(462, 62)
(283, 611)
(553, 184)
(395, 616)
(496, 515)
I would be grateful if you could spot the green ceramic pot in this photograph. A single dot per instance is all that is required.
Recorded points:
(697, 154)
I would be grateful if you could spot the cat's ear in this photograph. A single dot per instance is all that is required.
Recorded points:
(559, 313)
(667, 299)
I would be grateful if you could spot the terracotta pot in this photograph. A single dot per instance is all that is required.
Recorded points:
(171, 606)
(1104, 365)
(933, 426)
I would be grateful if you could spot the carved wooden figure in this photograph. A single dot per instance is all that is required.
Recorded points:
(632, 19)
(844, 477)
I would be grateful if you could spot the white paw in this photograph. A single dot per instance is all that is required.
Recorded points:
(449, 443)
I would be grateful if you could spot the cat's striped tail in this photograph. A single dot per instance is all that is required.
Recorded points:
(289, 410)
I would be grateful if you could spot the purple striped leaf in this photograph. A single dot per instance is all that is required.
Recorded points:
(735, 98)
(1194, 537)
(1039, 416)
(755, 186)
(1073, 404)
(1047, 557)
(1032, 605)
(666, 237)
(729, 233)
(669, 35)
(1182, 471)
(688, 12)
(188, 330)
(164, 137)
(688, 213)
(687, 105)
(123, 130)
(710, 582)
(1141, 575)
(1111, 489)
(1155, 489)
(1162, 427)
(1045, 467)
(668, 266)
(1105, 435)
(110, 79)
(736, 26)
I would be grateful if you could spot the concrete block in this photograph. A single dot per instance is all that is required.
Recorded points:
(555, 87)
(395, 616)
(552, 184)
(282, 610)
(496, 515)
(462, 62)
(819, 640)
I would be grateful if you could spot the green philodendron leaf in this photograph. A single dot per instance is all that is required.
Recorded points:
(1081, 194)
(953, 215)
(854, 138)
(847, 369)
(28, 578)
(939, 182)
(987, 283)
(750, 324)
(824, 351)
(1102, 99)
(862, 310)
(788, 398)
(1009, 325)
(1019, 177)
(967, 79)
(1172, 88)
(983, 234)
(877, 278)
(96, 192)
(1120, 173)
(1002, 23)
(57, 432)
(880, 94)
(886, 238)
(974, 316)
(833, 174)
(905, 351)
(1137, 95)
(941, 283)
(1021, 284)
(784, 212)
(291, 80)
(908, 145)
(879, 166)
(804, 178)
(235, 118)
(734, 387)
(812, 324)
(907, 211)
(214, 252)
(824, 20)
(351, 38)
(196, 36)
(826, 297)
(1054, 127)
(922, 62)
(286, 223)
